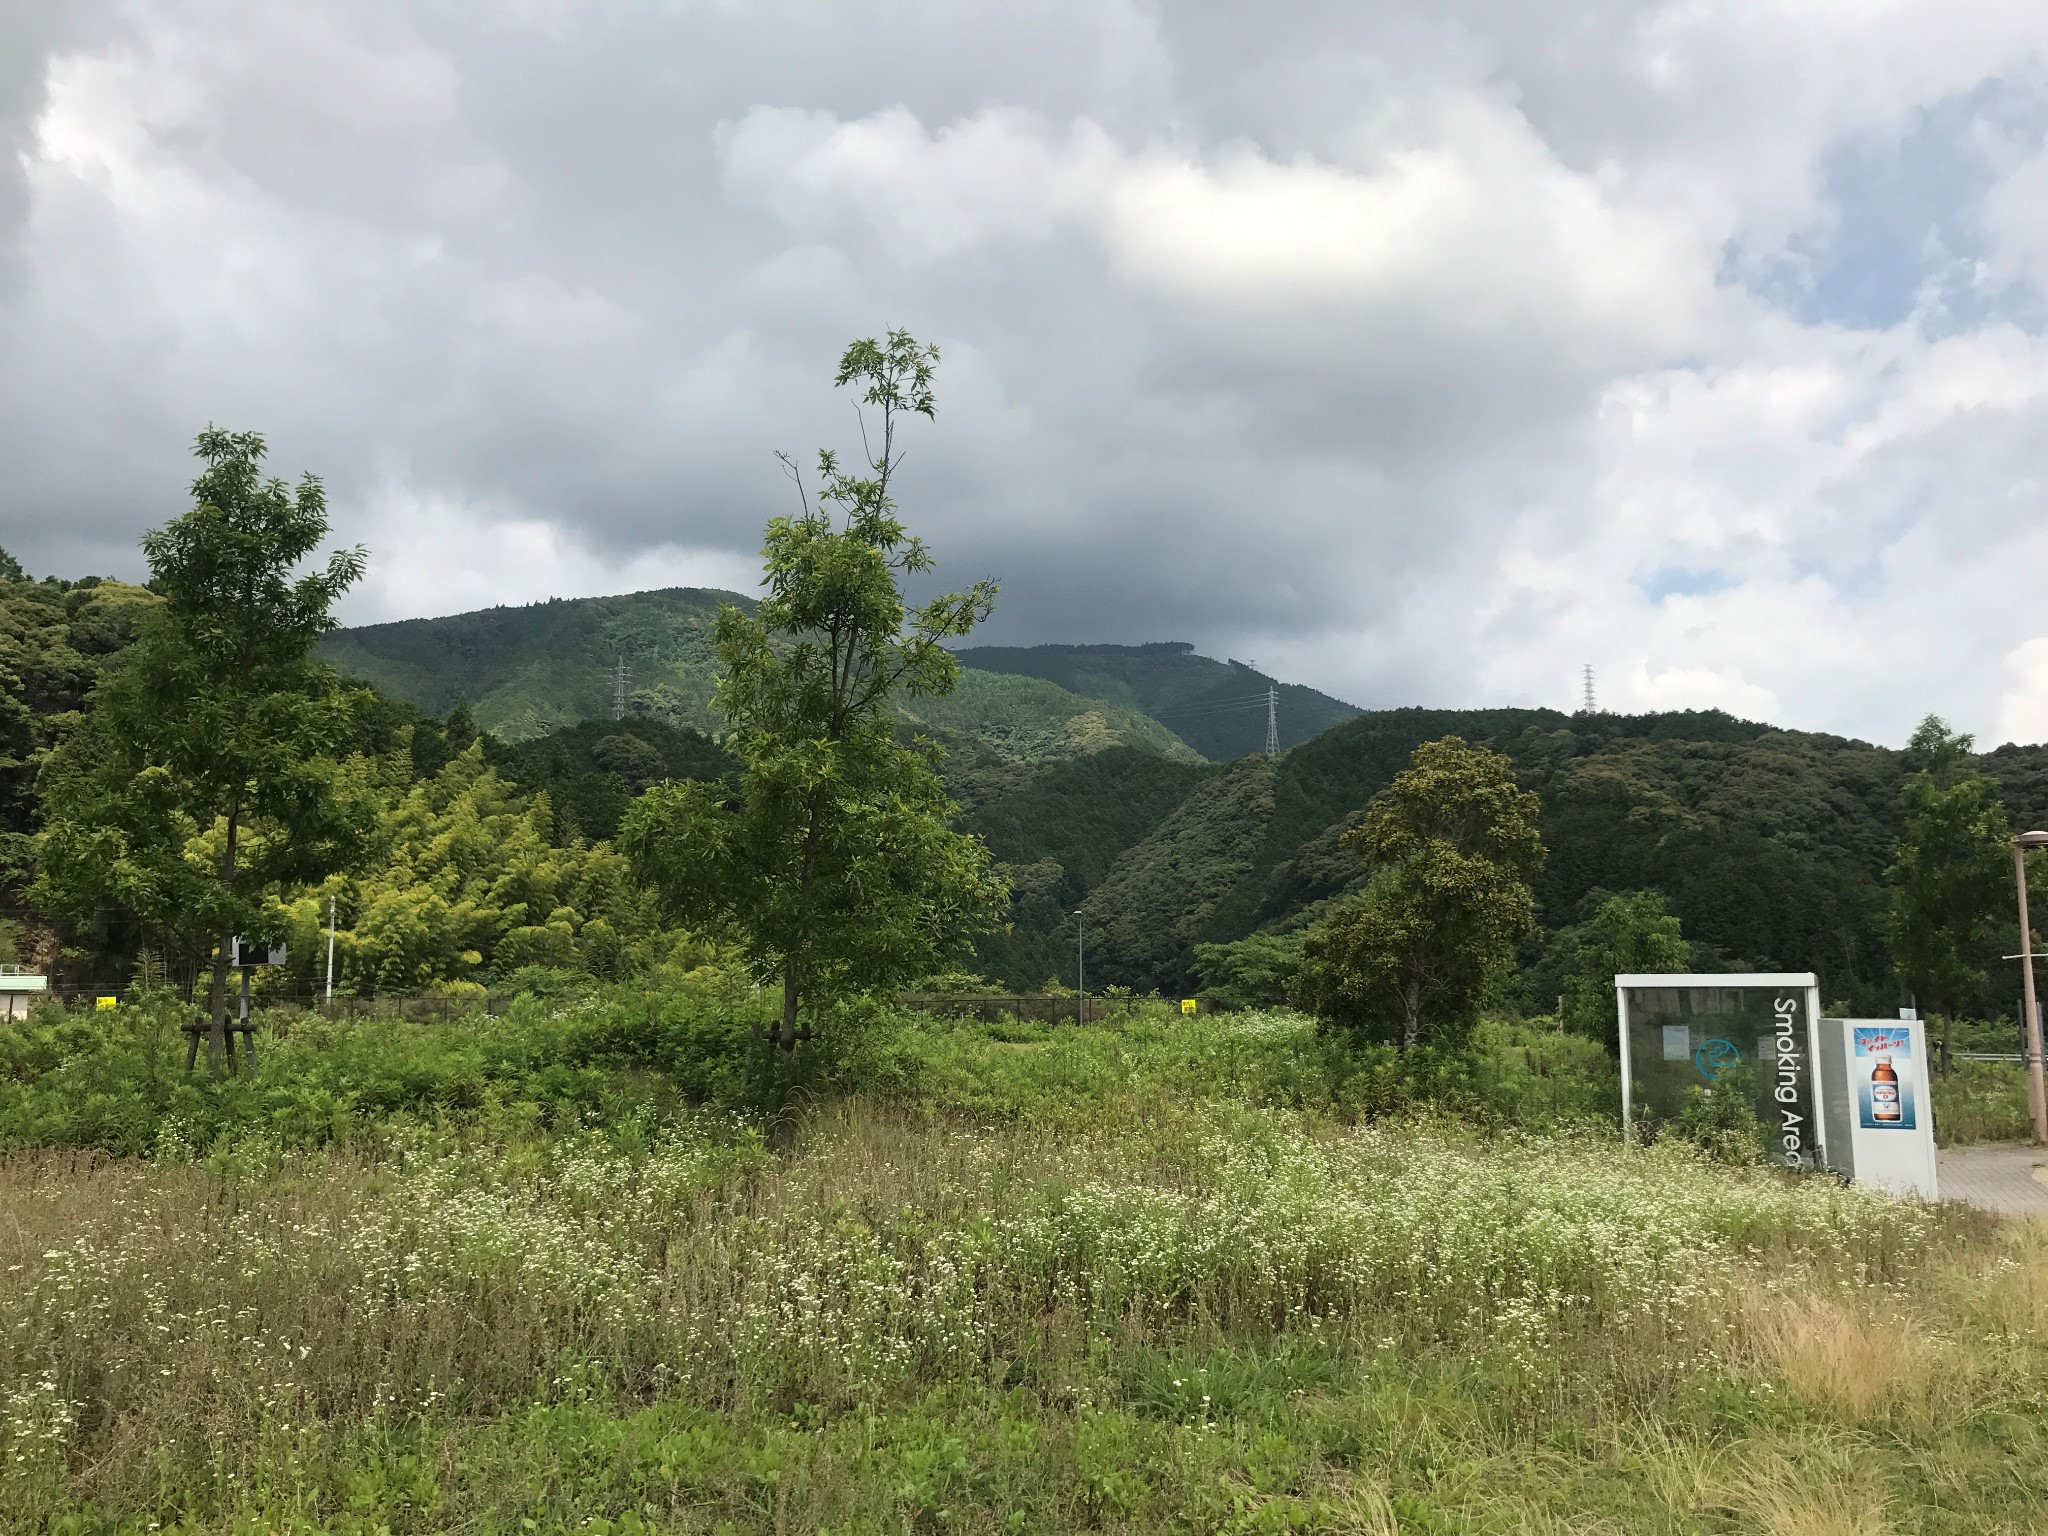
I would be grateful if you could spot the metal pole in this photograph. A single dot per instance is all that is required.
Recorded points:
(330, 949)
(1080, 972)
(2037, 1100)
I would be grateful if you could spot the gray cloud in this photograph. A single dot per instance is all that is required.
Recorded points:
(1410, 348)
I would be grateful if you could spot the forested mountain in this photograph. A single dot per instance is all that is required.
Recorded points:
(1769, 845)
(526, 671)
(1216, 707)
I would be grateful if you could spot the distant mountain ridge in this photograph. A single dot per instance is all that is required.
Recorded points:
(526, 670)
(1216, 707)
(529, 670)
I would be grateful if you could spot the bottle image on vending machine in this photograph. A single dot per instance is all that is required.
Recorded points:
(1883, 1079)
(1884, 1092)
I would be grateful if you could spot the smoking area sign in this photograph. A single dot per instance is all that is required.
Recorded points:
(1752, 1036)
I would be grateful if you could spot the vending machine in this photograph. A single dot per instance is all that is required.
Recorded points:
(1879, 1115)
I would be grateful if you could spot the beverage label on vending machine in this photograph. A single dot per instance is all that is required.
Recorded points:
(1881, 1069)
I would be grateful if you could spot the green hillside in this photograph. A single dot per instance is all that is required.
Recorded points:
(524, 671)
(1216, 707)
(1061, 832)
(1028, 720)
(527, 671)
(1770, 845)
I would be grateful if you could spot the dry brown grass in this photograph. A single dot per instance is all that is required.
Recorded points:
(2007, 1292)
(1779, 1495)
(1853, 1354)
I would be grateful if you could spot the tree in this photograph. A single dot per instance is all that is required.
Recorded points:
(1451, 846)
(1251, 972)
(55, 639)
(204, 777)
(829, 854)
(468, 880)
(1631, 934)
(1950, 878)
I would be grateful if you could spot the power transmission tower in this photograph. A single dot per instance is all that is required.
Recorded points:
(1272, 721)
(619, 689)
(1588, 707)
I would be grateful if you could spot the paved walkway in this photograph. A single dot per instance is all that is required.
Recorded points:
(2007, 1180)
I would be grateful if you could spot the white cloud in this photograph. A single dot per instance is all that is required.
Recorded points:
(1700, 688)
(1461, 229)
(1413, 347)
(2023, 708)
(436, 556)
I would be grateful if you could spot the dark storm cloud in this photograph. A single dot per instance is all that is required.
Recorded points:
(1400, 346)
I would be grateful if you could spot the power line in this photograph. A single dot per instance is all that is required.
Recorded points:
(1211, 706)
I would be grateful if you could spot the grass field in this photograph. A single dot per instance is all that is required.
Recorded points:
(1170, 1276)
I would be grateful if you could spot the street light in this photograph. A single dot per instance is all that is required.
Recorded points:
(2037, 1095)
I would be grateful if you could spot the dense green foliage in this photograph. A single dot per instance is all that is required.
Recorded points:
(1449, 849)
(679, 1041)
(1152, 908)
(524, 671)
(1769, 846)
(1252, 972)
(829, 855)
(55, 639)
(508, 1274)
(471, 884)
(205, 778)
(1218, 708)
(1627, 935)
(1026, 720)
(592, 771)
(1951, 881)
(1058, 835)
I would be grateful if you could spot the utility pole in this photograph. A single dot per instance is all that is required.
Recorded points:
(2037, 1092)
(1587, 708)
(1272, 721)
(1080, 972)
(330, 949)
(619, 688)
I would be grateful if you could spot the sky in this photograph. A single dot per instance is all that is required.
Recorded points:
(1424, 351)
